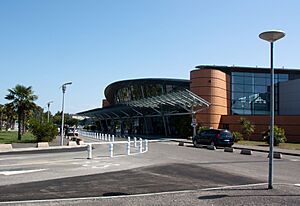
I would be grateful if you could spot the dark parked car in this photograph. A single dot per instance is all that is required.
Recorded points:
(215, 137)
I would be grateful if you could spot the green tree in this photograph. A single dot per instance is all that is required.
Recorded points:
(67, 119)
(1, 116)
(22, 99)
(279, 135)
(247, 127)
(9, 116)
(202, 128)
(44, 131)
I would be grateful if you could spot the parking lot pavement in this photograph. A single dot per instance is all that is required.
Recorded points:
(151, 179)
(240, 195)
(167, 167)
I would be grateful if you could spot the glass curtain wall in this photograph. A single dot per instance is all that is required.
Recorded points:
(250, 93)
(136, 91)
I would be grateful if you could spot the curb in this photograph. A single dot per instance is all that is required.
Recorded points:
(240, 148)
(31, 150)
(267, 151)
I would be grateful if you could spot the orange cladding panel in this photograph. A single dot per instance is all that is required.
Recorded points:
(213, 86)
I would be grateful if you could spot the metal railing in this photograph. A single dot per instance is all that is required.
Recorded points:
(138, 144)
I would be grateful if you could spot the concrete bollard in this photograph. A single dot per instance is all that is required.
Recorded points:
(128, 148)
(111, 149)
(72, 143)
(6, 147)
(146, 145)
(228, 149)
(141, 145)
(134, 139)
(89, 150)
(276, 155)
(211, 147)
(181, 143)
(246, 151)
(42, 145)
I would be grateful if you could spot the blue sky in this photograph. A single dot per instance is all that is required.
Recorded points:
(45, 43)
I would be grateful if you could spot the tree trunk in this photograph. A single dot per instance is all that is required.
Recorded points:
(19, 125)
(23, 124)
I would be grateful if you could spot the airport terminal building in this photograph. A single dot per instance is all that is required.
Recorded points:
(214, 96)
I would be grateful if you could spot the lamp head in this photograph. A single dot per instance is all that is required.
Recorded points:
(272, 35)
(68, 83)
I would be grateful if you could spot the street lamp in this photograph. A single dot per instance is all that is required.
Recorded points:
(48, 105)
(64, 86)
(271, 36)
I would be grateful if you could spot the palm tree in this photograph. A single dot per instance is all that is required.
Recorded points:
(22, 99)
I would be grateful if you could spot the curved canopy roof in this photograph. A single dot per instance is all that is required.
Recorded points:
(174, 103)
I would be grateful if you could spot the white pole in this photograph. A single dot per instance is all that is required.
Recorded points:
(89, 149)
(141, 145)
(146, 145)
(62, 117)
(128, 146)
(111, 149)
(135, 145)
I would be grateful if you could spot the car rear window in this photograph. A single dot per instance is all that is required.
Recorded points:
(226, 134)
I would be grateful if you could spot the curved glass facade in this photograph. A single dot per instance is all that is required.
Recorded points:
(138, 91)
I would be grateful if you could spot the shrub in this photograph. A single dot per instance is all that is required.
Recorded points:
(279, 136)
(247, 127)
(237, 136)
(44, 132)
(202, 128)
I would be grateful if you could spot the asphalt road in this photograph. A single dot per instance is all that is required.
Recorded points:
(166, 168)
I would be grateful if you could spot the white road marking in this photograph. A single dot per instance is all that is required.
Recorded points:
(298, 185)
(104, 166)
(17, 172)
(98, 166)
(294, 160)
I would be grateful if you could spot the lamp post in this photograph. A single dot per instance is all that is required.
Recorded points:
(64, 86)
(271, 36)
(48, 105)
